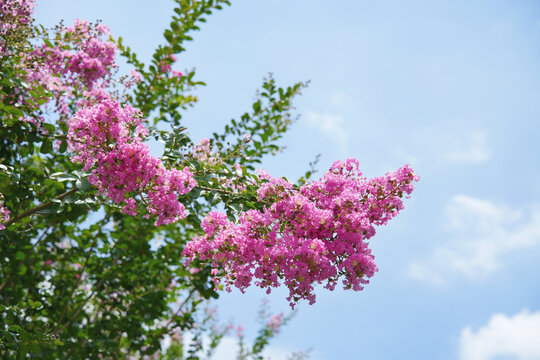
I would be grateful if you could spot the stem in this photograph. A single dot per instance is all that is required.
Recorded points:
(40, 207)
(166, 327)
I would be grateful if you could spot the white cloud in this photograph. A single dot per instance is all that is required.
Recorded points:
(471, 150)
(482, 233)
(516, 337)
(331, 125)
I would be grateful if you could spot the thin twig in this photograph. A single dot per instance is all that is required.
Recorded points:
(40, 207)
(178, 311)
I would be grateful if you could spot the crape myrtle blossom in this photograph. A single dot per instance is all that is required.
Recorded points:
(165, 64)
(134, 78)
(275, 322)
(77, 66)
(204, 154)
(313, 234)
(14, 16)
(109, 139)
(4, 214)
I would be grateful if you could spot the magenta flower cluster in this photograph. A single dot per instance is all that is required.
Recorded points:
(165, 66)
(78, 65)
(94, 57)
(14, 15)
(204, 154)
(109, 139)
(275, 322)
(4, 214)
(314, 234)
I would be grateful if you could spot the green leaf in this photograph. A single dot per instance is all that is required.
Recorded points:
(64, 177)
(48, 43)
(46, 147)
(22, 270)
(35, 304)
(63, 147)
(83, 185)
(15, 328)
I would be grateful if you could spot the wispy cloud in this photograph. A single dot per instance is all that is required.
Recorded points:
(332, 125)
(514, 337)
(338, 99)
(472, 149)
(481, 234)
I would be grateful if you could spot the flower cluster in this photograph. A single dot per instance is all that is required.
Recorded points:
(15, 15)
(4, 214)
(314, 234)
(275, 322)
(109, 139)
(134, 78)
(204, 154)
(94, 57)
(78, 65)
(165, 66)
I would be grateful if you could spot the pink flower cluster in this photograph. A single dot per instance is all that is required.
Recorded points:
(317, 233)
(108, 139)
(14, 15)
(4, 215)
(275, 322)
(79, 64)
(94, 57)
(204, 154)
(134, 78)
(165, 66)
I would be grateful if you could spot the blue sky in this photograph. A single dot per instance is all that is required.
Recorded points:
(451, 87)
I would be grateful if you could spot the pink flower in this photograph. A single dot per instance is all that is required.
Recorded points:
(79, 62)
(239, 330)
(14, 16)
(165, 68)
(203, 153)
(275, 322)
(136, 75)
(304, 236)
(108, 139)
(4, 214)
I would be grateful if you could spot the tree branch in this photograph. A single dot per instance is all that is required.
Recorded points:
(40, 207)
